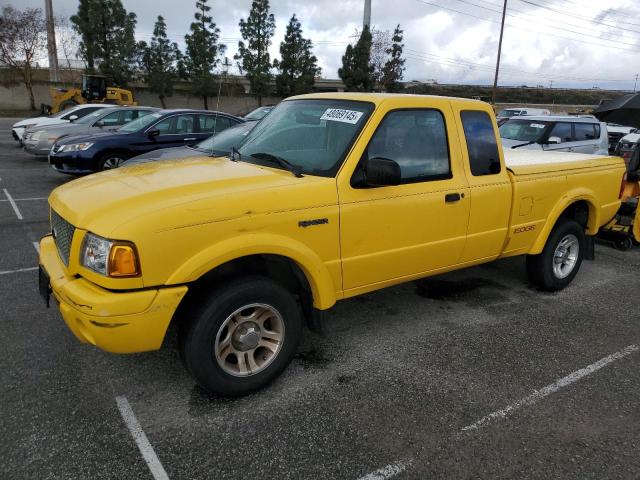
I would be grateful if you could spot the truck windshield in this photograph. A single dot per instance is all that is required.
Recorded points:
(312, 135)
(524, 130)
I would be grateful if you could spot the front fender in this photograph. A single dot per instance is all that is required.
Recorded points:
(318, 276)
(571, 197)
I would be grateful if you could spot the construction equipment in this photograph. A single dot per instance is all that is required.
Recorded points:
(624, 230)
(94, 90)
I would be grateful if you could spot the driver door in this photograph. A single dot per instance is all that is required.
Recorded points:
(394, 232)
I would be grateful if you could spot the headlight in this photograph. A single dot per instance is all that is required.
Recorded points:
(27, 126)
(111, 258)
(76, 147)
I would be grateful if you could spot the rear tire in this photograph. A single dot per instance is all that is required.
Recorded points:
(242, 336)
(560, 260)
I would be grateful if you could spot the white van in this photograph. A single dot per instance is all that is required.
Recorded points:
(556, 133)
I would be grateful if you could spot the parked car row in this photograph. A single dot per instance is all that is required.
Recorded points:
(91, 138)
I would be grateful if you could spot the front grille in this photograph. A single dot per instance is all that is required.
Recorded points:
(63, 235)
(614, 138)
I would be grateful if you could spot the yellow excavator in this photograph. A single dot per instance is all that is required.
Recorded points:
(94, 90)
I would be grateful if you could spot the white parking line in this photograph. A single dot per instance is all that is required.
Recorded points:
(149, 455)
(13, 204)
(552, 388)
(387, 472)
(24, 199)
(7, 272)
(36, 245)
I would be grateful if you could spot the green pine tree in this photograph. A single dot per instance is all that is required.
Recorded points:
(298, 66)
(158, 62)
(107, 38)
(253, 56)
(202, 53)
(394, 68)
(357, 71)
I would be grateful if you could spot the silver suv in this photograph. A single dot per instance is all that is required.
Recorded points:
(557, 134)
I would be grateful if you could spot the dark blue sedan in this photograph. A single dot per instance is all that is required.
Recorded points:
(80, 155)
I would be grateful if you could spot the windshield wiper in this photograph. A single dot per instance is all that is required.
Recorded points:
(297, 171)
(524, 144)
(232, 155)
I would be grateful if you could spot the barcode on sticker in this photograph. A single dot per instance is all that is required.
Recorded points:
(341, 115)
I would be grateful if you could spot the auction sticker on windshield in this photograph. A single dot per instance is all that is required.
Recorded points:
(341, 115)
(537, 125)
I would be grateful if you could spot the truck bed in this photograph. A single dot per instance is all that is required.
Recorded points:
(526, 162)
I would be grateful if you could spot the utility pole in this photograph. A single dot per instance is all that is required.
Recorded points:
(54, 72)
(366, 22)
(636, 83)
(495, 81)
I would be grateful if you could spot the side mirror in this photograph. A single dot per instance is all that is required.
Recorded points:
(381, 172)
(554, 141)
(73, 118)
(100, 123)
(153, 133)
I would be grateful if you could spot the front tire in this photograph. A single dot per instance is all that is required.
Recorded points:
(560, 260)
(111, 161)
(242, 337)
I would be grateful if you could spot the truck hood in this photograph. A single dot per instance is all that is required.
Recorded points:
(199, 190)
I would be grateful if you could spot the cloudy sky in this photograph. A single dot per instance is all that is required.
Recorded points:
(582, 43)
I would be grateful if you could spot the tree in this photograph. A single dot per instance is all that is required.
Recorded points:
(380, 45)
(83, 23)
(68, 46)
(393, 69)
(23, 36)
(107, 33)
(158, 62)
(202, 54)
(298, 66)
(253, 56)
(357, 71)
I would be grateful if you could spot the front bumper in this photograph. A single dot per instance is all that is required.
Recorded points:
(17, 133)
(117, 322)
(37, 147)
(73, 163)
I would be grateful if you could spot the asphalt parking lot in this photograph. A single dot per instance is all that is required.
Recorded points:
(468, 375)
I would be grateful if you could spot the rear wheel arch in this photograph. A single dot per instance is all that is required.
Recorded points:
(582, 210)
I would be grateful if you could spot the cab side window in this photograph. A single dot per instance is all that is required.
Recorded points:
(178, 124)
(112, 119)
(584, 131)
(482, 146)
(417, 141)
(211, 123)
(562, 131)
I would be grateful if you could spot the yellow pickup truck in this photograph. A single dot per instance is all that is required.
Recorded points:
(328, 197)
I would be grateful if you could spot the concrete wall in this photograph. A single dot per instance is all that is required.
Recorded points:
(15, 97)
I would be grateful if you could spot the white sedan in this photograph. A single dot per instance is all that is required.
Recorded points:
(64, 116)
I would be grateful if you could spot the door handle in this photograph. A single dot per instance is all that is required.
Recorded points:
(189, 139)
(453, 197)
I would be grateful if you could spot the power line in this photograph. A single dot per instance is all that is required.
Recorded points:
(526, 29)
(576, 15)
(615, 17)
(538, 23)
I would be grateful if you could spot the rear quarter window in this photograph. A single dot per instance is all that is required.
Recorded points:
(482, 146)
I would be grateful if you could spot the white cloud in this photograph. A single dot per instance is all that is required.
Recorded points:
(440, 43)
